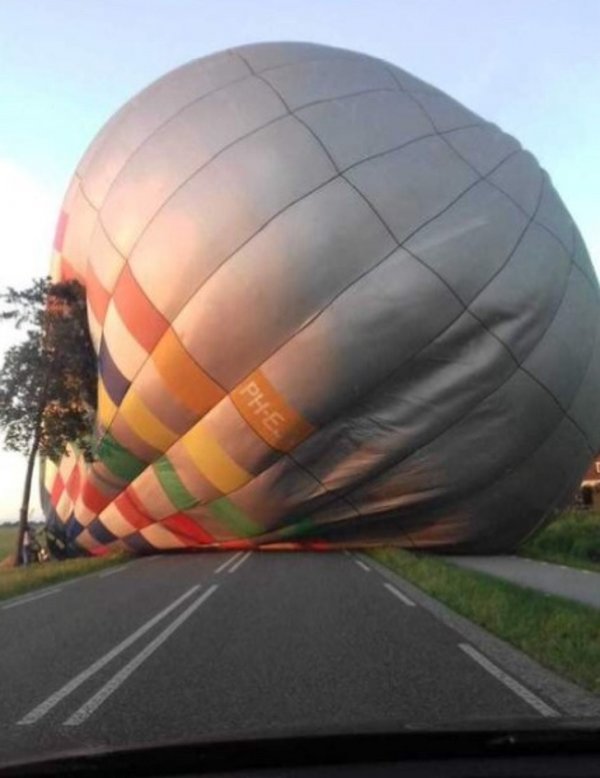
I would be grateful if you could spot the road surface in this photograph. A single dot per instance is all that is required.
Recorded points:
(178, 647)
(579, 585)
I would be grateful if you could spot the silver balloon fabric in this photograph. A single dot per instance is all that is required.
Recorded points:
(332, 307)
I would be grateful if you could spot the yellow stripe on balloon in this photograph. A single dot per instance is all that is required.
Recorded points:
(145, 424)
(106, 407)
(213, 461)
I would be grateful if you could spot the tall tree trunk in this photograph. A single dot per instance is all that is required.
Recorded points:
(24, 512)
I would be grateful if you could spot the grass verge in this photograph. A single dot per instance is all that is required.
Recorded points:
(20, 580)
(8, 538)
(561, 635)
(573, 539)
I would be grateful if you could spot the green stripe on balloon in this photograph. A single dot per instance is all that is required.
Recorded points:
(173, 486)
(233, 518)
(118, 460)
(298, 529)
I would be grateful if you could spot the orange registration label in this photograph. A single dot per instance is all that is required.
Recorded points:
(268, 413)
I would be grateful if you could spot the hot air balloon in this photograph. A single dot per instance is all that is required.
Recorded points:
(332, 307)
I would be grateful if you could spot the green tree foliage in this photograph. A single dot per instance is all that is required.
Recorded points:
(48, 380)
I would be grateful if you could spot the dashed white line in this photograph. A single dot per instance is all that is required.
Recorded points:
(86, 710)
(402, 597)
(517, 688)
(362, 565)
(240, 562)
(31, 598)
(112, 571)
(227, 562)
(40, 710)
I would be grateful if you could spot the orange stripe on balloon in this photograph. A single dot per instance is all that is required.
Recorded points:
(184, 378)
(269, 414)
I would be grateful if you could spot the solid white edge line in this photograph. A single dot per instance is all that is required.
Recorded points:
(240, 562)
(511, 683)
(362, 565)
(227, 562)
(42, 709)
(31, 598)
(111, 686)
(112, 571)
(402, 597)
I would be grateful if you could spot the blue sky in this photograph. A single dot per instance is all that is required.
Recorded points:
(531, 66)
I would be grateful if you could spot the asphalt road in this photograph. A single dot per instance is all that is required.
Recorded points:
(179, 647)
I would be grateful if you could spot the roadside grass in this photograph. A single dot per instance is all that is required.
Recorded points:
(561, 635)
(8, 538)
(573, 539)
(20, 580)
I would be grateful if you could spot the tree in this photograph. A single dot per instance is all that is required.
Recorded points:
(48, 380)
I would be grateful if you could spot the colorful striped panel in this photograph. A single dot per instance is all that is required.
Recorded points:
(171, 483)
(141, 318)
(127, 354)
(118, 460)
(145, 424)
(183, 377)
(160, 537)
(128, 507)
(268, 413)
(97, 296)
(114, 381)
(187, 530)
(213, 461)
(234, 518)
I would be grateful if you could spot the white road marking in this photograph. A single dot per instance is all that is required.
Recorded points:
(402, 597)
(40, 710)
(240, 562)
(227, 562)
(86, 710)
(112, 571)
(361, 564)
(31, 598)
(529, 697)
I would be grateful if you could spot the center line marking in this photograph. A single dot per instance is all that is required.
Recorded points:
(362, 565)
(402, 597)
(31, 598)
(228, 561)
(240, 562)
(122, 675)
(40, 710)
(529, 697)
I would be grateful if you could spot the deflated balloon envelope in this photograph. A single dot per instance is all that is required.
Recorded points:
(331, 306)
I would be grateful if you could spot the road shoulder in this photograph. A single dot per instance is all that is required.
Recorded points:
(569, 698)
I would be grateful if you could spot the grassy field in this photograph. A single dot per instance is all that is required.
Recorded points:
(573, 539)
(563, 636)
(8, 537)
